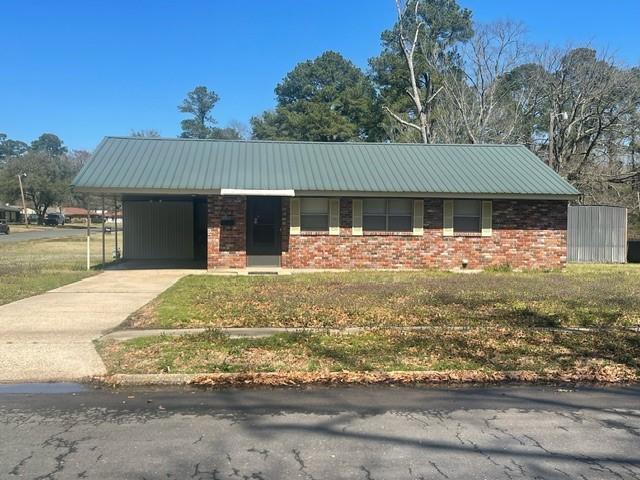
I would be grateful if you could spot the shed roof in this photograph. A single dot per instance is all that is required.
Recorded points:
(163, 165)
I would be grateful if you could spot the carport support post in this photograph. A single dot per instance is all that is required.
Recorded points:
(88, 236)
(104, 258)
(115, 209)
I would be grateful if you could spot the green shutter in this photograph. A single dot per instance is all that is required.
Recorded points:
(447, 218)
(334, 216)
(487, 213)
(294, 226)
(356, 217)
(418, 217)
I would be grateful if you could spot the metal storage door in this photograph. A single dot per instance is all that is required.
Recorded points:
(158, 230)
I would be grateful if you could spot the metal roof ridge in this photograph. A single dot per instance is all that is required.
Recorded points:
(316, 142)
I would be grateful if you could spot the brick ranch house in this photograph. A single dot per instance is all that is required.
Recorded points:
(237, 204)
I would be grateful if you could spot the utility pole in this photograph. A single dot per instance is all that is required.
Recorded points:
(24, 205)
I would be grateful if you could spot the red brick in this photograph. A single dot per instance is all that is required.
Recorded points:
(527, 234)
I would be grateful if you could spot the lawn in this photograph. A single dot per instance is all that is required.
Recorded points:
(600, 296)
(32, 267)
(497, 316)
(497, 349)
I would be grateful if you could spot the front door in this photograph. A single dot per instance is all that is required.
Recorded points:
(264, 218)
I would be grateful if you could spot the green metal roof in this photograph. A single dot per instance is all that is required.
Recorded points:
(159, 165)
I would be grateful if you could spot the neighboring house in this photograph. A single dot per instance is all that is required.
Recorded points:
(109, 216)
(333, 205)
(75, 213)
(10, 214)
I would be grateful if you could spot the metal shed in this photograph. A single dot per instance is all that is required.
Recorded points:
(597, 234)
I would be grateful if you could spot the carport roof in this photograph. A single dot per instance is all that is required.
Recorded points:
(183, 166)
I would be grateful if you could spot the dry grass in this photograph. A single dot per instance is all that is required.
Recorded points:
(32, 267)
(498, 310)
(602, 296)
(19, 228)
(476, 349)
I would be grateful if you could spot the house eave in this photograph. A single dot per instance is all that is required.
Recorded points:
(323, 193)
(483, 195)
(144, 191)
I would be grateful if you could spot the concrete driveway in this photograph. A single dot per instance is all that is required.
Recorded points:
(49, 337)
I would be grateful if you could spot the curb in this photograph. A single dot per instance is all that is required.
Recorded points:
(465, 377)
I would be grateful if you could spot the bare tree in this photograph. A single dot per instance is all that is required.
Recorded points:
(408, 42)
(242, 130)
(590, 98)
(426, 33)
(487, 94)
(148, 133)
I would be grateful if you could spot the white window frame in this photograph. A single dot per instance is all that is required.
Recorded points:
(485, 220)
(387, 214)
(478, 217)
(326, 214)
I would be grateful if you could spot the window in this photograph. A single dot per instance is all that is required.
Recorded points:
(314, 214)
(387, 214)
(467, 216)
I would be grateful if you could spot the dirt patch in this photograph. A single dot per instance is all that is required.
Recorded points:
(141, 318)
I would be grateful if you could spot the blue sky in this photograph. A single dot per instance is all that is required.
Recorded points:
(85, 69)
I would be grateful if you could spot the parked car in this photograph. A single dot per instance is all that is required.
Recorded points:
(4, 228)
(54, 219)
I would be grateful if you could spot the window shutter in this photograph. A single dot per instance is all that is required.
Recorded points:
(447, 218)
(334, 216)
(294, 224)
(487, 213)
(356, 217)
(418, 217)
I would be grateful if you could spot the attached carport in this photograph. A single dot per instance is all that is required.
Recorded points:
(164, 220)
(157, 231)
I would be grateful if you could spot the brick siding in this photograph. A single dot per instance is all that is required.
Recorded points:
(528, 234)
(226, 244)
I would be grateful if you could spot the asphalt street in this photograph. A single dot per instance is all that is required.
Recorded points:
(318, 433)
(43, 234)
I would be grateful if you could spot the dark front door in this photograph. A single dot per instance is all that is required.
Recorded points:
(264, 216)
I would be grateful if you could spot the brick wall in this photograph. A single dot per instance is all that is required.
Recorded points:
(526, 234)
(226, 244)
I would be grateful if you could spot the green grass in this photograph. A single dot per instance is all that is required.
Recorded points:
(32, 267)
(583, 295)
(495, 349)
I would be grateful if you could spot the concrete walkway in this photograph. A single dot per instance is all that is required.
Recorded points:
(259, 332)
(49, 337)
